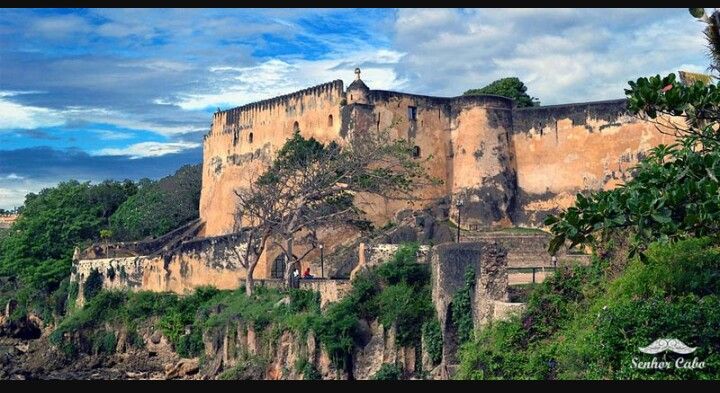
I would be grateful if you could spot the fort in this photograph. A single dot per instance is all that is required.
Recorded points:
(503, 170)
(509, 166)
(6, 220)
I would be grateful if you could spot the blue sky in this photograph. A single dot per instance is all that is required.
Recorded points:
(92, 94)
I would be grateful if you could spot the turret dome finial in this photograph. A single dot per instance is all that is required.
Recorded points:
(357, 74)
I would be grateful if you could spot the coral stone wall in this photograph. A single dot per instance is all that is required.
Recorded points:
(244, 139)
(561, 150)
(483, 174)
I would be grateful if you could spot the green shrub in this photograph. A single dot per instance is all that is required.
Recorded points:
(406, 308)
(104, 342)
(93, 284)
(462, 316)
(433, 340)
(388, 372)
(250, 368)
(308, 370)
(581, 324)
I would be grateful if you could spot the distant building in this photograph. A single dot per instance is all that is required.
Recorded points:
(6, 220)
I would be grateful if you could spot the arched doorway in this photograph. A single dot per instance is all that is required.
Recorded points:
(278, 267)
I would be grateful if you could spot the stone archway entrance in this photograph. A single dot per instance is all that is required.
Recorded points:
(278, 267)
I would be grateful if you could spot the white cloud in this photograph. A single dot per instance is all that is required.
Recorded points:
(108, 135)
(562, 55)
(12, 176)
(241, 85)
(27, 117)
(13, 190)
(148, 149)
(57, 27)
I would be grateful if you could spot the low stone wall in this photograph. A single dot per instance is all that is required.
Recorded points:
(449, 264)
(185, 272)
(330, 290)
(525, 250)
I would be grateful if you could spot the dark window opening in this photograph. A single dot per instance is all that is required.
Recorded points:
(250, 137)
(330, 121)
(416, 152)
(412, 112)
(278, 269)
(351, 97)
(296, 127)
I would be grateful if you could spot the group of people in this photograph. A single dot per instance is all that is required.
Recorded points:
(296, 276)
(307, 274)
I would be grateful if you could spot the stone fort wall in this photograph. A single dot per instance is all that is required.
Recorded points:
(510, 166)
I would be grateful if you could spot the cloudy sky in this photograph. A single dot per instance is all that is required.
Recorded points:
(95, 94)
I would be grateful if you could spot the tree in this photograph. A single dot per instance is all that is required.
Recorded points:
(712, 34)
(105, 235)
(507, 87)
(159, 207)
(310, 184)
(36, 254)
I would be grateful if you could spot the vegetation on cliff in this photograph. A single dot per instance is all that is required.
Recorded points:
(395, 294)
(35, 255)
(588, 322)
(36, 252)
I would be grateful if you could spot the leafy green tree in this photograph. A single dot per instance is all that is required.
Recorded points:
(507, 87)
(159, 207)
(36, 254)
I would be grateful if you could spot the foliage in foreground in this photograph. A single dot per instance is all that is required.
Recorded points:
(675, 191)
(581, 324)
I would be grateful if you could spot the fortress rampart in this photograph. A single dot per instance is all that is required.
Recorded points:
(510, 167)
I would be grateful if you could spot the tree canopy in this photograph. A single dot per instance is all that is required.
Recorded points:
(511, 87)
(311, 184)
(675, 191)
(159, 207)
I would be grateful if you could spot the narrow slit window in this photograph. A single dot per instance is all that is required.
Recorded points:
(250, 137)
(416, 152)
(412, 113)
(330, 121)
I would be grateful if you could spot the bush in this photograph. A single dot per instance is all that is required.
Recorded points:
(582, 324)
(407, 309)
(388, 372)
(433, 340)
(104, 342)
(93, 284)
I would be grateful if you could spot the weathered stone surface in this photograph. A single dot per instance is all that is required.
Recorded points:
(183, 368)
(449, 264)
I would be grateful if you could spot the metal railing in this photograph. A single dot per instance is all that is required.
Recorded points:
(533, 270)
